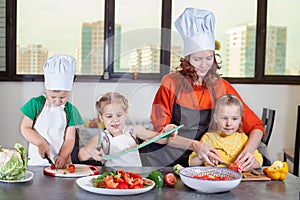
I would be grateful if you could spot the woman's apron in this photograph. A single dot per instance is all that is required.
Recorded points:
(51, 124)
(196, 123)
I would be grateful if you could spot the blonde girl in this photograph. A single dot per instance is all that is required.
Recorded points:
(117, 136)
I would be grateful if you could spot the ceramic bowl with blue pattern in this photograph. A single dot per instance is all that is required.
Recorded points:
(219, 179)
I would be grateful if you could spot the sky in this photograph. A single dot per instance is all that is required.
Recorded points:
(56, 23)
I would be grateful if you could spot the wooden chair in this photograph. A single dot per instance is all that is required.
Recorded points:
(268, 118)
(292, 154)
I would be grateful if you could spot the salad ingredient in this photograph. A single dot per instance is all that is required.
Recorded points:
(278, 170)
(212, 178)
(157, 177)
(72, 168)
(13, 163)
(120, 179)
(265, 171)
(52, 166)
(234, 167)
(170, 179)
(176, 168)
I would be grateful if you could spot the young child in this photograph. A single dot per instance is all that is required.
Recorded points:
(49, 120)
(113, 111)
(225, 136)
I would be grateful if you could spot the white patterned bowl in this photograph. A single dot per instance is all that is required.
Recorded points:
(210, 186)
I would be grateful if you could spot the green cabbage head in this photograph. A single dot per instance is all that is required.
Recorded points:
(13, 163)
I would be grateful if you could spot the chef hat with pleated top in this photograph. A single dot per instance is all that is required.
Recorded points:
(59, 71)
(196, 28)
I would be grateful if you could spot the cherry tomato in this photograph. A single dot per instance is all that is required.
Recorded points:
(170, 179)
(265, 171)
(52, 167)
(234, 167)
(71, 168)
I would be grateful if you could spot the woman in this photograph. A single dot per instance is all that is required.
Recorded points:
(188, 97)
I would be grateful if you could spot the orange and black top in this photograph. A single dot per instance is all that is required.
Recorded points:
(192, 107)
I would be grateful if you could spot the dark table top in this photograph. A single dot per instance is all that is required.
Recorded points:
(48, 187)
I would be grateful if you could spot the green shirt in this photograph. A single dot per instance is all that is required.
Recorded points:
(34, 106)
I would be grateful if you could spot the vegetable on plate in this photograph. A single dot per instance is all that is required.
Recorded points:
(13, 163)
(121, 179)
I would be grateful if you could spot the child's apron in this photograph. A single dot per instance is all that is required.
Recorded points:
(51, 125)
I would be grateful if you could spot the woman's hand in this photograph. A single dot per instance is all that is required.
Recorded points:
(246, 161)
(206, 153)
(169, 127)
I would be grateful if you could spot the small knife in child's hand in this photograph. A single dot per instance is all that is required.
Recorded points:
(50, 161)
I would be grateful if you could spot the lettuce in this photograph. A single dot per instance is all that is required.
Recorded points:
(13, 163)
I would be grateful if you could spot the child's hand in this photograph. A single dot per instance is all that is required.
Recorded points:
(44, 149)
(96, 154)
(169, 127)
(60, 162)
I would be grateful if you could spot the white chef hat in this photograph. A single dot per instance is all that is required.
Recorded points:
(59, 71)
(196, 28)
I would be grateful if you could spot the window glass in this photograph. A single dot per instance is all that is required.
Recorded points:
(282, 49)
(137, 36)
(235, 27)
(49, 27)
(2, 36)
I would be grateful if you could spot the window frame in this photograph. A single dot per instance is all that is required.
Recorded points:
(259, 76)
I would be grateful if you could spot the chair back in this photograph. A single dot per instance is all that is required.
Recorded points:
(268, 118)
(297, 145)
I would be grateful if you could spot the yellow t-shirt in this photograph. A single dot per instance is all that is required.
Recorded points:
(229, 147)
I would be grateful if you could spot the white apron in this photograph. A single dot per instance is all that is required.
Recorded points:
(51, 125)
(120, 143)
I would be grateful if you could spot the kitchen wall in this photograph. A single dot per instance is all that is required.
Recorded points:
(283, 98)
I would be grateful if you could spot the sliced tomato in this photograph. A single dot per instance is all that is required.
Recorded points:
(234, 167)
(71, 168)
(170, 179)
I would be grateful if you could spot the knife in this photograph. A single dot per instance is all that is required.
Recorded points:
(225, 164)
(50, 161)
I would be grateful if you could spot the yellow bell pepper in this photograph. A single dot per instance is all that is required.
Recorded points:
(278, 170)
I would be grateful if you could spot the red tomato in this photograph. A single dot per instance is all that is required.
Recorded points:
(52, 167)
(265, 171)
(170, 179)
(234, 167)
(71, 168)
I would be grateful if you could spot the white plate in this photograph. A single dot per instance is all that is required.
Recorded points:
(28, 177)
(86, 183)
(80, 171)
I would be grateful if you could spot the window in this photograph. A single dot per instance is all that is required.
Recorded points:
(282, 39)
(132, 39)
